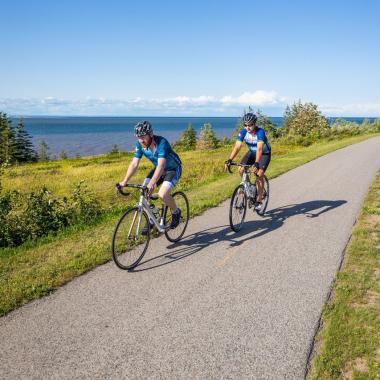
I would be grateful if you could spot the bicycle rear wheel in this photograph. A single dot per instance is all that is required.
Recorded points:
(265, 199)
(238, 208)
(129, 244)
(182, 203)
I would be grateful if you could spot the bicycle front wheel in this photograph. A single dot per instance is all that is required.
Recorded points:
(265, 199)
(129, 240)
(182, 203)
(238, 208)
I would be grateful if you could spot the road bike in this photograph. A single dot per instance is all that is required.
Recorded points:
(246, 194)
(133, 231)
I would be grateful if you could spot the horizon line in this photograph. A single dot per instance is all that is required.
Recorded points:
(167, 117)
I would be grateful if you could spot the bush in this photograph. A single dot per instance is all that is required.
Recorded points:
(30, 216)
(305, 120)
(45, 213)
(84, 207)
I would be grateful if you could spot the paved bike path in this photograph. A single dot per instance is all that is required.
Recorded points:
(216, 305)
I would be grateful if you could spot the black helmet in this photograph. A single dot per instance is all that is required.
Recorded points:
(249, 118)
(143, 128)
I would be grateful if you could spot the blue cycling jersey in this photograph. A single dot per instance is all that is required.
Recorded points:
(251, 139)
(162, 150)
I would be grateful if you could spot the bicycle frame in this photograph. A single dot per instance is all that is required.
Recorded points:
(246, 182)
(144, 205)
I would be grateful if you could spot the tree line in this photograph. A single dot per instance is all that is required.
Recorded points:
(303, 124)
(16, 144)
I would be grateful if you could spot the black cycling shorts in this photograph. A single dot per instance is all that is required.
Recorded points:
(171, 177)
(250, 158)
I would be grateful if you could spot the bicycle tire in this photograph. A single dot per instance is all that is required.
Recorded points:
(242, 208)
(174, 235)
(128, 245)
(265, 200)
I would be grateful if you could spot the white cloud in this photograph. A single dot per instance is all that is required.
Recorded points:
(257, 98)
(268, 101)
(354, 109)
(203, 104)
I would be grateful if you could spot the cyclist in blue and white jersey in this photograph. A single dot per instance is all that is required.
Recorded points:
(167, 166)
(258, 155)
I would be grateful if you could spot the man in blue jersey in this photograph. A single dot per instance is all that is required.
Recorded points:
(167, 166)
(258, 155)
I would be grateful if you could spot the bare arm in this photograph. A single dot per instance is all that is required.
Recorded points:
(236, 150)
(131, 170)
(259, 151)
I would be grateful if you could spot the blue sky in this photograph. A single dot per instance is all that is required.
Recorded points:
(207, 58)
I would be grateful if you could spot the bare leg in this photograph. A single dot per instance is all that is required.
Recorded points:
(260, 185)
(165, 196)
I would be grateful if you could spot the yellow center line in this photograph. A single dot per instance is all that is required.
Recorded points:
(229, 256)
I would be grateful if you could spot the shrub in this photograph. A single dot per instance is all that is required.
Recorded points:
(31, 216)
(84, 207)
(305, 120)
(45, 213)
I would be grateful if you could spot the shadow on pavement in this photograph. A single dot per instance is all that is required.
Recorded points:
(271, 221)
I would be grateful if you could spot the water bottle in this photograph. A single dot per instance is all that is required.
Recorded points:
(154, 210)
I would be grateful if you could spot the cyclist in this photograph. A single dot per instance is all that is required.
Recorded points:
(258, 155)
(167, 167)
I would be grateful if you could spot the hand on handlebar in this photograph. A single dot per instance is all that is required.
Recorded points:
(150, 187)
(227, 165)
(120, 185)
(119, 188)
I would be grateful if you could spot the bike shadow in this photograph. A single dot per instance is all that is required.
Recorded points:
(272, 220)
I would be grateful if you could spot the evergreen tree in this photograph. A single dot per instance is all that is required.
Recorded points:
(7, 140)
(63, 155)
(115, 149)
(207, 138)
(43, 151)
(188, 140)
(24, 151)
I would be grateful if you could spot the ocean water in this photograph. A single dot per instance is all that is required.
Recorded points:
(85, 136)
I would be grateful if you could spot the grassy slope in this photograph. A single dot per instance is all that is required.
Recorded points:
(349, 342)
(32, 270)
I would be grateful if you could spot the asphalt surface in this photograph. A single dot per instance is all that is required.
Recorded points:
(217, 305)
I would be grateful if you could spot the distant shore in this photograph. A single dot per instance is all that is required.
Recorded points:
(89, 135)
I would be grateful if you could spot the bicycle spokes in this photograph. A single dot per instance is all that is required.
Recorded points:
(129, 241)
(238, 208)
(182, 203)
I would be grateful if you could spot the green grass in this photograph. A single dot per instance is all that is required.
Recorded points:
(348, 345)
(35, 268)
